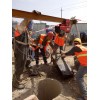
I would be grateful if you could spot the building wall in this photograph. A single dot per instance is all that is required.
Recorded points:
(14, 23)
(37, 27)
(82, 27)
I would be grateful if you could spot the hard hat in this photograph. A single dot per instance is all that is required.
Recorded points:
(77, 40)
(50, 34)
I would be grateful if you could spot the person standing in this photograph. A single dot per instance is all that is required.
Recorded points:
(21, 47)
(81, 53)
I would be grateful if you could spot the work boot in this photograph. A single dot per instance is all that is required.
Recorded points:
(19, 86)
(16, 83)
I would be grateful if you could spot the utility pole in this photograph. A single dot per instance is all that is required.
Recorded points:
(61, 12)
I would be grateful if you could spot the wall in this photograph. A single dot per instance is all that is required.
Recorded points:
(82, 27)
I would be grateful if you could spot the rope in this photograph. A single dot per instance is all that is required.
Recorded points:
(21, 42)
(29, 56)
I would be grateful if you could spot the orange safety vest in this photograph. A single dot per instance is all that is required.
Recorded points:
(82, 56)
(42, 36)
(16, 33)
(41, 40)
(59, 40)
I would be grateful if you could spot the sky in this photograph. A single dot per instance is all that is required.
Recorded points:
(69, 8)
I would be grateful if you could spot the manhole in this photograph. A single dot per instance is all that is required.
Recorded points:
(48, 89)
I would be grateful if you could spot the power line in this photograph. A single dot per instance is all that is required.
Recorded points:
(73, 4)
(82, 6)
(77, 7)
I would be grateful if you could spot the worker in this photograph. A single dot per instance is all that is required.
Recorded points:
(42, 42)
(30, 39)
(81, 53)
(59, 39)
(30, 25)
(61, 34)
(20, 52)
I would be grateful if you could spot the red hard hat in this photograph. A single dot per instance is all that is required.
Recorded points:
(50, 34)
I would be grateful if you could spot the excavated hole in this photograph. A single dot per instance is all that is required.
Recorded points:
(49, 89)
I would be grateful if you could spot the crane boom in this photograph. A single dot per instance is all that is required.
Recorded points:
(35, 16)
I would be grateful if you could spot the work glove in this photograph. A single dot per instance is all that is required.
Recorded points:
(62, 51)
(40, 45)
(63, 55)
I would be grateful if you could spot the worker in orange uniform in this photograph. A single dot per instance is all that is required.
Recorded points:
(59, 39)
(81, 53)
(61, 30)
(42, 42)
(21, 47)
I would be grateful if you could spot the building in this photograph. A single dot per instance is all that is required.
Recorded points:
(82, 27)
(14, 23)
(39, 28)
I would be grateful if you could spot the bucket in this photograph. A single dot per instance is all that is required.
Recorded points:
(48, 89)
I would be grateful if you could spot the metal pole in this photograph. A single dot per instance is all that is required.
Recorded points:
(61, 12)
(78, 33)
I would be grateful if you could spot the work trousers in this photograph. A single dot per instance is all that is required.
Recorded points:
(56, 47)
(20, 60)
(37, 55)
(80, 80)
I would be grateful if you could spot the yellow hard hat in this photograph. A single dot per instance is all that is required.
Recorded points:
(77, 40)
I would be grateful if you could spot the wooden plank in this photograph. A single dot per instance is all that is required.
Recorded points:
(34, 16)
